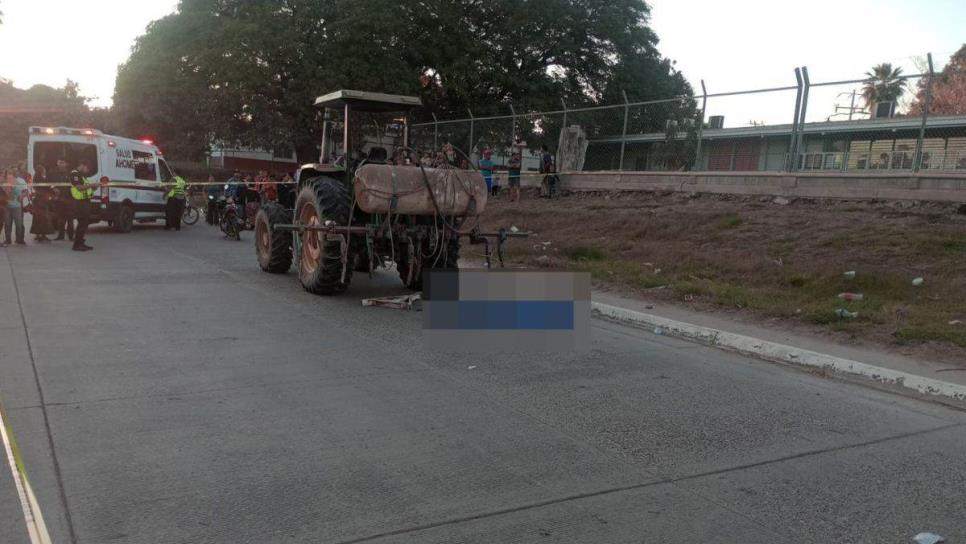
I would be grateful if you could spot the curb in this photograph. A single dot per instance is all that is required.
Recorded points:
(775, 352)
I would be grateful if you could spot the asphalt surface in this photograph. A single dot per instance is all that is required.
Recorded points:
(164, 390)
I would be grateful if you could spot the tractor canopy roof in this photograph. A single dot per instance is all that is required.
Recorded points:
(369, 102)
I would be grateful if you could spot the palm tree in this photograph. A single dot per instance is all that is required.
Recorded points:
(885, 84)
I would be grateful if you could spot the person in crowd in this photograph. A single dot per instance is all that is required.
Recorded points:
(81, 191)
(174, 207)
(449, 155)
(269, 192)
(16, 188)
(213, 191)
(43, 202)
(286, 191)
(514, 167)
(486, 168)
(548, 170)
(63, 203)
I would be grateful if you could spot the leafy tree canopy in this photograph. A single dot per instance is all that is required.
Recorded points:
(247, 71)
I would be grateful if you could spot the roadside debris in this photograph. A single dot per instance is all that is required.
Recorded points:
(955, 322)
(918, 281)
(928, 538)
(658, 330)
(404, 302)
(851, 296)
(471, 367)
(543, 260)
(850, 275)
(781, 201)
(514, 229)
(845, 314)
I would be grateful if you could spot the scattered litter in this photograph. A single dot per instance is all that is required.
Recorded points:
(648, 264)
(781, 201)
(514, 229)
(851, 296)
(688, 298)
(918, 281)
(546, 243)
(850, 275)
(543, 260)
(955, 322)
(845, 314)
(404, 302)
(798, 310)
(658, 330)
(657, 270)
(779, 262)
(928, 538)
(661, 287)
(471, 367)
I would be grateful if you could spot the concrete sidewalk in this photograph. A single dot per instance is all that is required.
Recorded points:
(929, 370)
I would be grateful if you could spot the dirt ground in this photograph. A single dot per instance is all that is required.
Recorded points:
(771, 261)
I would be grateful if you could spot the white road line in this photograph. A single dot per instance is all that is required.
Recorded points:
(36, 528)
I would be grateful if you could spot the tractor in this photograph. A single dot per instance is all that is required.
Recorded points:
(358, 209)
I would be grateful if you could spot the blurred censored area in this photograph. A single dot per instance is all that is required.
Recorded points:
(516, 311)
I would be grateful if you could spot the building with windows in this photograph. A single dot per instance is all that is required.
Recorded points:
(853, 146)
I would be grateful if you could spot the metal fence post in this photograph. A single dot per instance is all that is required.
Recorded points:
(704, 107)
(469, 150)
(513, 127)
(801, 116)
(792, 146)
(627, 111)
(917, 164)
(564, 104)
(435, 133)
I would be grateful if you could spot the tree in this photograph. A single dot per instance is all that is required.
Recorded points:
(39, 105)
(948, 89)
(885, 84)
(247, 71)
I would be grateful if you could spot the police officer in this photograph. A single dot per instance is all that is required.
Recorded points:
(81, 191)
(174, 208)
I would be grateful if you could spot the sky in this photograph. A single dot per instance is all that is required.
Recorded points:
(732, 45)
(101, 33)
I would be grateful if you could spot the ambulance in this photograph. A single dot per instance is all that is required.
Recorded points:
(129, 173)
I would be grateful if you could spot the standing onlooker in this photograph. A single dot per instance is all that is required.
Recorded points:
(486, 168)
(43, 201)
(548, 170)
(3, 206)
(63, 204)
(213, 192)
(286, 191)
(514, 167)
(16, 190)
(81, 192)
(174, 207)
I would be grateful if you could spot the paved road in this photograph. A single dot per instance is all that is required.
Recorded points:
(205, 401)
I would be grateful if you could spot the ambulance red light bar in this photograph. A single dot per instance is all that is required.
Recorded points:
(147, 141)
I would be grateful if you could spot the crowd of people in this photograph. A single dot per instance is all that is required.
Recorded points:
(58, 202)
(249, 192)
(448, 157)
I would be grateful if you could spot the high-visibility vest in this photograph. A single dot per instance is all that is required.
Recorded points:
(180, 185)
(82, 194)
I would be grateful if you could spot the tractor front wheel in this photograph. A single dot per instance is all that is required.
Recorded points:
(320, 264)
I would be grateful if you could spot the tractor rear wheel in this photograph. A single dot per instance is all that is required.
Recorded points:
(320, 258)
(273, 247)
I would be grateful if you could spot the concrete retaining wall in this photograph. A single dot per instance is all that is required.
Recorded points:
(924, 186)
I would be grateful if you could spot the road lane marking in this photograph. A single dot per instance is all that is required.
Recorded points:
(36, 527)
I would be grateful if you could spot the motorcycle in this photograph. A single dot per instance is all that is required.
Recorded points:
(230, 223)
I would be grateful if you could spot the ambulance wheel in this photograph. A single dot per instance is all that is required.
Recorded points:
(273, 248)
(125, 219)
(320, 258)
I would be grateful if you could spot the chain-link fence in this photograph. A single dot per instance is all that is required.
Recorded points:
(892, 122)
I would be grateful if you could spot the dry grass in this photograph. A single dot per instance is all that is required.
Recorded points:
(770, 260)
